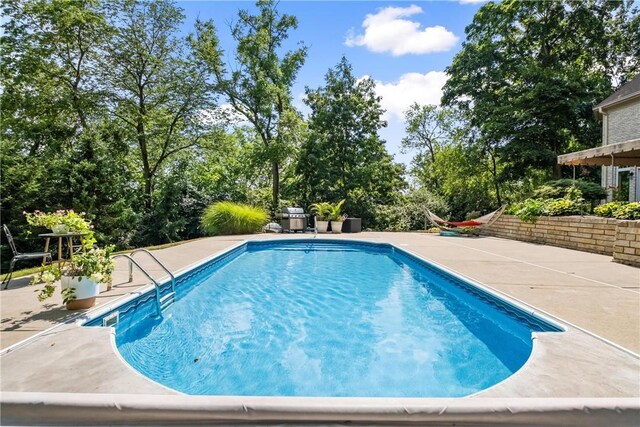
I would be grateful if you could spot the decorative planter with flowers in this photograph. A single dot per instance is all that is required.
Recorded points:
(80, 278)
(63, 221)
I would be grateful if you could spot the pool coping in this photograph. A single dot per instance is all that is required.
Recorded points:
(104, 409)
(519, 380)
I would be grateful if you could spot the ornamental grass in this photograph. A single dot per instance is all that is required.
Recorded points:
(225, 218)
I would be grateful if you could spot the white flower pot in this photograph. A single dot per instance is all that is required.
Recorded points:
(85, 291)
(322, 226)
(336, 227)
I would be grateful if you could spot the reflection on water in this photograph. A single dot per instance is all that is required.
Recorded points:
(326, 323)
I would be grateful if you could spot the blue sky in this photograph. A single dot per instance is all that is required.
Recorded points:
(404, 46)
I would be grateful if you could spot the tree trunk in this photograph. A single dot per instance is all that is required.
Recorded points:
(275, 176)
(146, 170)
(557, 170)
(494, 172)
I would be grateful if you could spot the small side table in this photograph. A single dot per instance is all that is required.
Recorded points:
(352, 225)
(68, 236)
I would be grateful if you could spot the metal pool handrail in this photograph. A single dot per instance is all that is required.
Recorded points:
(173, 278)
(159, 301)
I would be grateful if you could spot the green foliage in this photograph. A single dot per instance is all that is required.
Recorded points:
(409, 212)
(429, 130)
(607, 210)
(529, 72)
(559, 188)
(75, 222)
(154, 88)
(530, 209)
(258, 85)
(465, 183)
(343, 156)
(619, 210)
(96, 264)
(224, 218)
(327, 211)
(559, 207)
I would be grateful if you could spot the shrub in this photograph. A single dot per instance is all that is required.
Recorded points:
(559, 207)
(628, 211)
(619, 210)
(530, 209)
(607, 209)
(224, 218)
(558, 189)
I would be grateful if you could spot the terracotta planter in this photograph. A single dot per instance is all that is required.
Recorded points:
(85, 291)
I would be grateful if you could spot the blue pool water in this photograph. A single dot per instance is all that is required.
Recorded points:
(327, 319)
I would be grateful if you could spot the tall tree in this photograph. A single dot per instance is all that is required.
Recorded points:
(439, 134)
(428, 130)
(155, 92)
(58, 150)
(258, 85)
(343, 156)
(49, 57)
(529, 73)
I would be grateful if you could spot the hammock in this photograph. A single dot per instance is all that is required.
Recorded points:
(478, 222)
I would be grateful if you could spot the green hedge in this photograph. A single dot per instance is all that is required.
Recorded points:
(224, 218)
(559, 189)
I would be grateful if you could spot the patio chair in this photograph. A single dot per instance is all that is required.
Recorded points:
(17, 256)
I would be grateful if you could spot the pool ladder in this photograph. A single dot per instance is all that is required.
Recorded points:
(162, 303)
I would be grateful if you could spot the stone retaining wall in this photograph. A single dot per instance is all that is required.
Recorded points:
(626, 248)
(585, 233)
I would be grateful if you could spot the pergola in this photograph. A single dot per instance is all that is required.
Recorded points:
(621, 154)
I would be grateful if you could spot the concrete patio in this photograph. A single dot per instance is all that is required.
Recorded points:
(598, 302)
(584, 289)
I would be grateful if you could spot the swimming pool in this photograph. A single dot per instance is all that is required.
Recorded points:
(326, 318)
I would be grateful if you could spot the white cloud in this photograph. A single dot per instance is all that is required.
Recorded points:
(411, 87)
(386, 31)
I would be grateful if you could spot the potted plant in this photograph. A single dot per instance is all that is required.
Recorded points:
(80, 278)
(326, 212)
(63, 221)
(322, 212)
(336, 217)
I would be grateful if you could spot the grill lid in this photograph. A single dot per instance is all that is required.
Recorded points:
(293, 211)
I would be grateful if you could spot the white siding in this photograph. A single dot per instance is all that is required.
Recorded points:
(620, 123)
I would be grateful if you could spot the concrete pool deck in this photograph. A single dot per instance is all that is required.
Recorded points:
(587, 292)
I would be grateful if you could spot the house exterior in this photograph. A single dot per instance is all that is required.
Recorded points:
(620, 114)
(619, 154)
